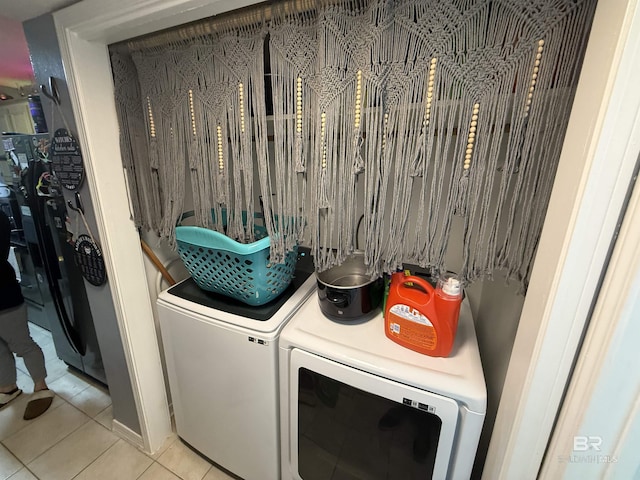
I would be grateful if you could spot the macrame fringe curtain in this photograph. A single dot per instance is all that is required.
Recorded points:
(409, 113)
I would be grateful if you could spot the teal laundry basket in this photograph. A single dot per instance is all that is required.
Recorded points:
(244, 272)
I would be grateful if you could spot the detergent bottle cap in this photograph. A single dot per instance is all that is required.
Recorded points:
(450, 284)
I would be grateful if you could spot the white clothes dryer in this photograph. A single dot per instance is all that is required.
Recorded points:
(356, 405)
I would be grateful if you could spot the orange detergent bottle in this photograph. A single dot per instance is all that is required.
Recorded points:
(420, 317)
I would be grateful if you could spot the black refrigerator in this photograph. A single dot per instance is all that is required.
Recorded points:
(52, 284)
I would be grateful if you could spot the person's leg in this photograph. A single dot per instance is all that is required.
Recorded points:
(7, 361)
(8, 388)
(20, 342)
(7, 368)
(18, 339)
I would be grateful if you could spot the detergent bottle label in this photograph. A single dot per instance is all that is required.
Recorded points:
(411, 326)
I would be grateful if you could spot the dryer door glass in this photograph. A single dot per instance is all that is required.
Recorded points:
(347, 423)
(345, 432)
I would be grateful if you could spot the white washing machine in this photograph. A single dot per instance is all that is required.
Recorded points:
(355, 405)
(222, 363)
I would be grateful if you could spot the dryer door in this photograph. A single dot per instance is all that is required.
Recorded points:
(346, 423)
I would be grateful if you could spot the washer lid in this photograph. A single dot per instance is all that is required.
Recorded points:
(364, 345)
(189, 290)
(192, 305)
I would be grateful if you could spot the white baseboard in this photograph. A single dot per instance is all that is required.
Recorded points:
(127, 434)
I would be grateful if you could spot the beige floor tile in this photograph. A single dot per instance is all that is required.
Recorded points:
(92, 381)
(167, 443)
(8, 463)
(11, 416)
(44, 432)
(215, 474)
(44, 341)
(56, 369)
(157, 472)
(68, 386)
(23, 474)
(39, 334)
(121, 462)
(48, 348)
(105, 418)
(24, 381)
(92, 400)
(34, 328)
(73, 454)
(184, 462)
(50, 353)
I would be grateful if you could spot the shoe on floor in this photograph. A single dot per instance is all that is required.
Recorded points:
(6, 398)
(38, 404)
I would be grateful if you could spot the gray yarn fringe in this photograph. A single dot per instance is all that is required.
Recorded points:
(371, 102)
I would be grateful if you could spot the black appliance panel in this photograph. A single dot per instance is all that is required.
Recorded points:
(345, 432)
(189, 290)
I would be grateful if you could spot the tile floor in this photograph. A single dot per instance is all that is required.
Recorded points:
(73, 439)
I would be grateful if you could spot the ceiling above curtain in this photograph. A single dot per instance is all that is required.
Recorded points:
(407, 113)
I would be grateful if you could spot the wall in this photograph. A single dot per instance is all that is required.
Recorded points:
(498, 306)
(45, 58)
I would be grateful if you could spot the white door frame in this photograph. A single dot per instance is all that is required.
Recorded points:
(569, 260)
(596, 167)
(598, 430)
(84, 31)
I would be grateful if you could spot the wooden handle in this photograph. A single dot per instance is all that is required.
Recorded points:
(156, 261)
